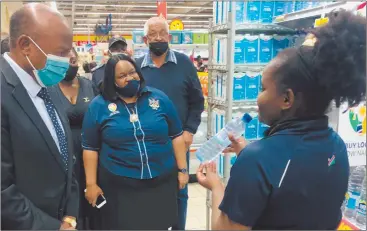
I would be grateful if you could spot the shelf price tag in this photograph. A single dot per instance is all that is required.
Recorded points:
(321, 21)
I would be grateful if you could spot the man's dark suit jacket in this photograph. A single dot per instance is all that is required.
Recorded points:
(36, 190)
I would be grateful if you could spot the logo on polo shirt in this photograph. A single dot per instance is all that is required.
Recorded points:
(112, 107)
(154, 103)
(331, 161)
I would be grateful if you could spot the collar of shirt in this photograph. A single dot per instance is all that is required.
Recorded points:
(148, 62)
(27, 80)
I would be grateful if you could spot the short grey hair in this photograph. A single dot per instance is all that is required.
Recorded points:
(154, 20)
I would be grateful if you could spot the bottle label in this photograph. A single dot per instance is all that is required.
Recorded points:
(361, 209)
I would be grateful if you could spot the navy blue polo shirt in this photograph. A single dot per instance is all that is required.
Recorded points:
(294, 179)
(141, 149)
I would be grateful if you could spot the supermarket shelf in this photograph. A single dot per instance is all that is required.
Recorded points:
(236, 104)
(252, 27)
(348, 224)
(305, 18)
(238, 67)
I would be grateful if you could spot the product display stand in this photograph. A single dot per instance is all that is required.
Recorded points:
(230, 29)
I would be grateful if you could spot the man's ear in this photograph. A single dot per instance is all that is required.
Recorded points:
(24, 44)
(288, 99)
(145, 40)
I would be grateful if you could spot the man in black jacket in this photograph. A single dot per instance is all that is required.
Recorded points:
(174, 74)
(38, 188)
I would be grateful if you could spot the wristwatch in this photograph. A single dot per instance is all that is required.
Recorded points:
(183, 170)
(70, 221)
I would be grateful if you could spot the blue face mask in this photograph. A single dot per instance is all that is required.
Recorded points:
(130, 90)
(54, 70)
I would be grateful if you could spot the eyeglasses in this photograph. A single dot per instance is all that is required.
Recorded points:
(132, 73)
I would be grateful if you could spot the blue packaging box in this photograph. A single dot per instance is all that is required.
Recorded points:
(251, 46)
(279, 7)
(252, 129)
(240, 12)
(267, 11)
(176, 37)
(266, 48)
(262, 128)
(138, 37)
(187, 37)
(253, 11)
(239, 50)
(239, 84)
(279, 44)
(252, 85)
(299, 5)
(288, 7)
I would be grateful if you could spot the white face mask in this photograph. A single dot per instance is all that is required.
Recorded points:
(117, 53)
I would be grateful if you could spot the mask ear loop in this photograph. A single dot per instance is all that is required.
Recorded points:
(37, 45)
(30, 63)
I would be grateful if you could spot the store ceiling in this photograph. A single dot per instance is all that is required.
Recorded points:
(131, 15)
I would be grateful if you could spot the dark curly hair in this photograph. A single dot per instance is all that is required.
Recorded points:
(334, 68)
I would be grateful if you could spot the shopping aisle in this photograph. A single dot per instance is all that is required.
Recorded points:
(196, 217)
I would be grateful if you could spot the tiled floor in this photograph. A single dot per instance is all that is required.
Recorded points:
(196, 217)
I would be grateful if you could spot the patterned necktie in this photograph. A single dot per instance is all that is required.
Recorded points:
(43, 94)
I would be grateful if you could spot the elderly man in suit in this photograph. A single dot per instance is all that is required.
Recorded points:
(38, 188)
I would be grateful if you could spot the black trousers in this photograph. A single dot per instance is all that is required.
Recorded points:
(134, 204)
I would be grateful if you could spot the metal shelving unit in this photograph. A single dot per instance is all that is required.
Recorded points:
(230, 29)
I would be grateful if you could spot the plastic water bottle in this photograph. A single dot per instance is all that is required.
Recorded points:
(212, 148)
(354, 190)
(361, 207)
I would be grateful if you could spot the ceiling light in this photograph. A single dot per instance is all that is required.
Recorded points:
(145, 6)
(143, 14)
(134, 20)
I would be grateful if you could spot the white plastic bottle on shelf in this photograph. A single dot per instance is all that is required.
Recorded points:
(211, 149)
(354, 190)
(361, 207)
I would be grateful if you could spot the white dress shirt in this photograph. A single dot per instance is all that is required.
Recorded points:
(33, 88)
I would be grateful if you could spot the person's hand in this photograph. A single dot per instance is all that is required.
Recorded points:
(237, 145)
(188, 138)
(210, 180)
(66, 226)
(183, 179)
(92, 192)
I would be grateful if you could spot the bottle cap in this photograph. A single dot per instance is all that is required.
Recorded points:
(246, 118)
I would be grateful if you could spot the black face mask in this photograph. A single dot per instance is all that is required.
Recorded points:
(158, 48)
(71, 73)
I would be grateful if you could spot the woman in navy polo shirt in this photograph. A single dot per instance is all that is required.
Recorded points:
(133, 136)
(297, 176)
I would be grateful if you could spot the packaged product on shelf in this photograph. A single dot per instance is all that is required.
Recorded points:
(308, 4)
(279, 7)
(186, 37)
(260, 85)
(252, 85)
(240, 12)
(316, 3)
(176, 37)
(138, 37)
(225, 8)
(289, 7)
(252, 127)
(299, 5)
(220, 51)
(215, 12)
(361, 207)
(220, 88)
(206, 38)
(354, 190)
(266, 48)
(267, 11)
(279, 44)
(198, 38)
(239, 50)
(239, 81)
(262, 128)
(219, 11)
(251, 43)
(253, 11)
